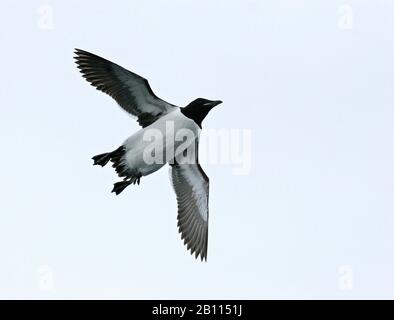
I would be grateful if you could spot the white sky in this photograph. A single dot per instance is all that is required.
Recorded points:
(317, 97)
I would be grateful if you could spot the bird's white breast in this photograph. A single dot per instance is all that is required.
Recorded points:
(168, 136)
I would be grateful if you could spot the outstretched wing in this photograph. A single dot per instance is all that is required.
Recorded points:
(131, 91)
(191, 186)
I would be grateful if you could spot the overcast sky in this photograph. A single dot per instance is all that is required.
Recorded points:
(312, 82)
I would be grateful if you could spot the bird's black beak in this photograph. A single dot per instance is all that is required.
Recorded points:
(214, 103)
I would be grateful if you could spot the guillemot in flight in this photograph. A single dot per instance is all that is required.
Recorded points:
(191, 185)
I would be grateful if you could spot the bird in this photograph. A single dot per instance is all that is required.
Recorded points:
(190, 183)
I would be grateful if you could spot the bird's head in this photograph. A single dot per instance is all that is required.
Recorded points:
(205, 103)
(199, 108)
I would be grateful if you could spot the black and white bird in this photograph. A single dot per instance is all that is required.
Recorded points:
(133, 93)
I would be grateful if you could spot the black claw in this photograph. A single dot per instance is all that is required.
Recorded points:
(120, 186)
(104, 158)
(101, 159)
